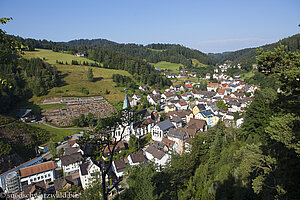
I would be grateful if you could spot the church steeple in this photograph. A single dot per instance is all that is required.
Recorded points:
(126, 103)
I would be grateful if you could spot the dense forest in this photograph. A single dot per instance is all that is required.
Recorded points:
(247, 56)
(153, 53)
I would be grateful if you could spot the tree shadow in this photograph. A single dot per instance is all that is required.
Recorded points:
(97, 79)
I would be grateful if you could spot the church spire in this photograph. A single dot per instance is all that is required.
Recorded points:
(126, 103)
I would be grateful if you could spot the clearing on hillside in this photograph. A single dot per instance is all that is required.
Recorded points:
(75, 78)
(172, 67)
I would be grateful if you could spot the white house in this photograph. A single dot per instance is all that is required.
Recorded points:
(136, 158)
(157, 156)
(135, 99)
(36, 173)
(88, 173)
(161, 129)
(118, 166)
(71, 163)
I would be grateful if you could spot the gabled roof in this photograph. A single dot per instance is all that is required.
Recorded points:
(83, 168)
(137, 157)
(207, 113)
(168, 143)
(155, 152)
(178, 133)
(214, 85)
(197, 123)
(36, 169)
(71, 150)
(200, 107)
(120, 164)
(165, 125)
(69, 159)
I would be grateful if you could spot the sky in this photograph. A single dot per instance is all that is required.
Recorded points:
(211, 26)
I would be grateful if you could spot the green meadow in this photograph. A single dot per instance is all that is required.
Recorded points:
(75, 78)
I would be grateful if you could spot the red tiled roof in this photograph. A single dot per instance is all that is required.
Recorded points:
(36, 169)
(213, 85)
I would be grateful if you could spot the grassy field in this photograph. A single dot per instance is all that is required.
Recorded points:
(75, 78)
(173, 67)
(58, 134)
(51, 56)
(195, 62)
(247, 75)
(51, 106)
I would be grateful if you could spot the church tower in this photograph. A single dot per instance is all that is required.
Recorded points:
(126, 103)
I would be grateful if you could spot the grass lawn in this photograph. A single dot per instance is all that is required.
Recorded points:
(51, 56)
(57, 134)
(173, 67)
(75, 78)
(195, 62)
(51, 106)
(247, 75)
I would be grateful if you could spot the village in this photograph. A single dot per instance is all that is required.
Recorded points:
(185, 111)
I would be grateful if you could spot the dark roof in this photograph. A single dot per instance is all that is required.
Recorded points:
(177, 133)
(120, 164)
(83, 168)
(60, 183)
(168, 143)
(71, 150)
(201, 107)
(35, 188)
(207, 113)
(196, 124)
(165, 125)
(143, 113)
(176, 119)
(69, 159)
(23, 112)
(138, 157)
(155, 152)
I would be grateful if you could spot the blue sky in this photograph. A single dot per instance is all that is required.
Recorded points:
(209, 26)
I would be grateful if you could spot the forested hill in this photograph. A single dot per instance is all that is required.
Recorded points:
(248, 55)
(153, 53)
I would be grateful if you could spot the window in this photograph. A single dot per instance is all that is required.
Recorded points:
(42, 177)
(34, 179)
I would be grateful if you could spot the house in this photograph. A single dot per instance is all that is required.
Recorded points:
(188, 86)
(186, 96)
(118, 166)
(71, 163)
(89, 172)
(168, 95)
(197, 125)
(183, 114)
(136, 158)
(177, 121)
(161, 129)
(213, 86)
(155, 91)
(143, 88)
(171, 145)
(182, 105)
(221, 93)
(64, 183)
(178, 136)
(119, 147)
(176, 88)
(207, 76)
(135, 99)
(72, 150)
(154, 99)
(40, 172)
(207, 115)
(34, 191)
(170, 108)
(79, 54)
(156, 156)
(198, 108)
(216, 70)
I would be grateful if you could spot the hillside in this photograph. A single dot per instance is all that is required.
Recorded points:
(248, 55)
(153, 53)
(75, 77)
(18, 142)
